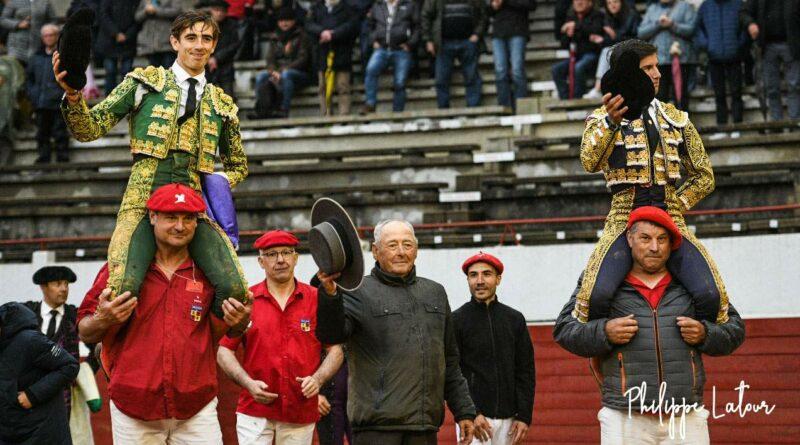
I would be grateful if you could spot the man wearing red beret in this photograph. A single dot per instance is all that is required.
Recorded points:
(646, 353)
(496, 356)
(160, 360)
(281, 374)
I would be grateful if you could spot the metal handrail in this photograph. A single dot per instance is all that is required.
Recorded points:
(465, 224)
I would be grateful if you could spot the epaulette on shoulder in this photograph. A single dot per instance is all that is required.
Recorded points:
(154, 77)
(673, 115)
(223, 103)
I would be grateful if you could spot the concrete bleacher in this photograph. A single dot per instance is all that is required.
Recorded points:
(431, 166)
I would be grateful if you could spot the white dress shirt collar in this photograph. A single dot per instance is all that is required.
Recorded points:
(182, 76)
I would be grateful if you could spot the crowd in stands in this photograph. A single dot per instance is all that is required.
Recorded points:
(313, 42)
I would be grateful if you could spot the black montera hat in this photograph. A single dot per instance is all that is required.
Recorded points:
(75, 47)
(53, 273)
(627, 79)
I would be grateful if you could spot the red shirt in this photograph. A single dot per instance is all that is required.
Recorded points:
(653, 296)
(280, 346)
(162, 362)
(236, 8)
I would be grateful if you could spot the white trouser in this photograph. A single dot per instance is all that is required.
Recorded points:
(500, 432)
(201, 429)
(616, 428)
(260, 431)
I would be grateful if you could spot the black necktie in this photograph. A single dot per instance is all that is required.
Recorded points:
(51, 327)
(191, 101)
(653, 135)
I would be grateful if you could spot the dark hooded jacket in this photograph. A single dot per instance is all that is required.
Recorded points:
(30, 362)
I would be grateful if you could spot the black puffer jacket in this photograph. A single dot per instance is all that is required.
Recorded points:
(115, 17)
(404, 27)
(343, 23)
(512, 18)
(657, 353)
(497, 359)
(31, 363)
(401, 351)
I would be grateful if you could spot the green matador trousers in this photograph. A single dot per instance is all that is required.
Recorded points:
(133, 244)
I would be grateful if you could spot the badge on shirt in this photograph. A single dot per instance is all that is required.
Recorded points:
(194, 286)
(196, 313)
(305, 325)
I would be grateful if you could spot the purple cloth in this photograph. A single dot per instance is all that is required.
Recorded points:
(219, 205)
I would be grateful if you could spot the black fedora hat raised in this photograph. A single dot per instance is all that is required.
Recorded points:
(628, 80)
(334, 243)
(74, 47)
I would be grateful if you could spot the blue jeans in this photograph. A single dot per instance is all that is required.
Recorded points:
(291, 81)
(509, 50)
(584, 69)
(467, 54)
(113, 77)
(379, 61)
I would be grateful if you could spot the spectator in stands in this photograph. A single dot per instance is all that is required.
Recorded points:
(621, 23)
(12, 79)
(394, 30)
(268, 20)
(412, 349)
(242, 11)
(288, 56)
(496, 352)
(510, 31)
(775, 26)
(332, 26)
(582, 34)
(453, 29)
(163, 379)
(284, 317)
(648, 336)
(33, 373)
(45, 96)
(362, 8)
(669, 25)
(23, 19)
(116, 40)
(720, 35)
(220, 69)
(155, 21)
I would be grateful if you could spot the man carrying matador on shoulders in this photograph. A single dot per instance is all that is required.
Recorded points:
(641, 145)
(177, 121)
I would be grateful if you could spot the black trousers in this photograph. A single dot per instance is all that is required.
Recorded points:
(727, 74)
(394, 438)
(50, 125)
(666, 91)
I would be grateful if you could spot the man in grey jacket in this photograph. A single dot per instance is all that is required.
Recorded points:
(402, 352)
(647, 350)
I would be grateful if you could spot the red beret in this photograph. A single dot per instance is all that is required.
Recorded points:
(659, 217)
(483, 258)
(174, 198)
(276, 238)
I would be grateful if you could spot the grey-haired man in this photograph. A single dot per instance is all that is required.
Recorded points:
(397, 387)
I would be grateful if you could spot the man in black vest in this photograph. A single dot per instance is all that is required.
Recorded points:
(57, 319)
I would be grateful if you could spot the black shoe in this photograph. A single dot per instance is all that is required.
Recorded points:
(366, 109)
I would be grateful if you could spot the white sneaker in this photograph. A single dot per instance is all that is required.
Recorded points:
(717, 136)
(593, 94)
(735, 134)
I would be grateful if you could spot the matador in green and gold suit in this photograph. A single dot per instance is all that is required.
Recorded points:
(167, 149)
(642, 160)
